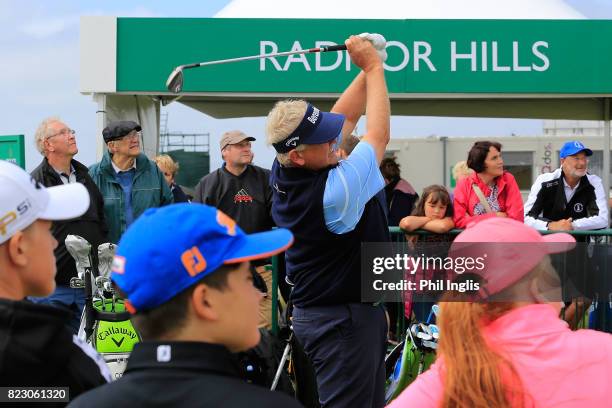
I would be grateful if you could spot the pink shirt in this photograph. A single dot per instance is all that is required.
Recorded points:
(558, 367)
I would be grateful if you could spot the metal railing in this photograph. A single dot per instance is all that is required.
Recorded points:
(397, 235)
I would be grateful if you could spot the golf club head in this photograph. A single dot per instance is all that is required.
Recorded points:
(435, 331)
(106, 253)
(430, 344)
(436, 310)
(79, 248)
(175, 81)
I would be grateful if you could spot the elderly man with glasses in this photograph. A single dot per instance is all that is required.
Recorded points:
(57, 143)
(128, 180)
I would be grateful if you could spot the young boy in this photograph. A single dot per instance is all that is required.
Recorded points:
(185, 272)
(36, 349)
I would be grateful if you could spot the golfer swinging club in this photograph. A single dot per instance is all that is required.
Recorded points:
(330, 208)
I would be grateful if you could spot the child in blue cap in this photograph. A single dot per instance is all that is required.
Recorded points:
(184, 270)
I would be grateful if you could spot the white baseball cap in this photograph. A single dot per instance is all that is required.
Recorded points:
(23, 200)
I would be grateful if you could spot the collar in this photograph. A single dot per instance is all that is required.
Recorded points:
(196, 356)
(526, 322)
(118, 170)
(59, 173)
(570, 187)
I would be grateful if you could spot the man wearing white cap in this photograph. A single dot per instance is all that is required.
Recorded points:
(37, 350)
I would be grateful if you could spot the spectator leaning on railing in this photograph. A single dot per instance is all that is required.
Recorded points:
(568, 198)
(490, 191)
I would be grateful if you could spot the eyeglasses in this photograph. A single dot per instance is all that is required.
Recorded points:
(131, 136)
(63, 132)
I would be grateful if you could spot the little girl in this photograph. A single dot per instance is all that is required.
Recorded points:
(433, 213)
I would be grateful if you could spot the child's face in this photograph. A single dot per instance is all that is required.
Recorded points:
(434, 211)
(240, 313)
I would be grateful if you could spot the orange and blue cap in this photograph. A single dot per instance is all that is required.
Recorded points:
(168, 249)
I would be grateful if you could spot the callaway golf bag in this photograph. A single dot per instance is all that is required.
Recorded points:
(105, 323)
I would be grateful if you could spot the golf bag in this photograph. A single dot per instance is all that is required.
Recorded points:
(412, 356)
(105, 323)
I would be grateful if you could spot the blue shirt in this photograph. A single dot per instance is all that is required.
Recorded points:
(126, 179)
(349, 186)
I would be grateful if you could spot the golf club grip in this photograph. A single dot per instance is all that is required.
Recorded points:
(340, 47)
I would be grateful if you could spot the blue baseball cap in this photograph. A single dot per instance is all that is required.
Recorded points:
(316, 127)
(573, 147)
(168, 249)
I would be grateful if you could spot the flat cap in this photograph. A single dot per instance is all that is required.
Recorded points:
(118, 129)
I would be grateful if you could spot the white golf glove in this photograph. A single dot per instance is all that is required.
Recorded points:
(379, 43)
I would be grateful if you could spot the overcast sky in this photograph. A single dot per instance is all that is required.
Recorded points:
(39, 54)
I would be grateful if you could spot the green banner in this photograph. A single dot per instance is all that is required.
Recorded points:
(12, 149)
(425, 56)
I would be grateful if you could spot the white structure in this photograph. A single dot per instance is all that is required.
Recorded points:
(402, 9)
(525, 157)
(578, 128)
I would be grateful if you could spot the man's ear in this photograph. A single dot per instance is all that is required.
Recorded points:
(48, 146)
(296, 158)
(17, 249)
(205, 303)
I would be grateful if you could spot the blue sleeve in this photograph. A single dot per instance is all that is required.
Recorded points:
(349, 187)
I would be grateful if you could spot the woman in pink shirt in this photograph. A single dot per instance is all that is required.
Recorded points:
(509, 348)
(500, 192)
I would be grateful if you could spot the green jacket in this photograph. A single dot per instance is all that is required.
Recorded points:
(149, 189)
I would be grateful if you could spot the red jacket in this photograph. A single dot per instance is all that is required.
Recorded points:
(465, 199)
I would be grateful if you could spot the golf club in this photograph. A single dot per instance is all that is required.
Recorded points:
(175, 80)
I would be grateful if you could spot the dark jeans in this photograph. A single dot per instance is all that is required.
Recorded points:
(347, 345)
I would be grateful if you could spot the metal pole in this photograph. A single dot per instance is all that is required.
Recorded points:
(275, 295)
(606, 149)
(444, 140)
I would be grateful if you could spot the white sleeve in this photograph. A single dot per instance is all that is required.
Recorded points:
(533, 195)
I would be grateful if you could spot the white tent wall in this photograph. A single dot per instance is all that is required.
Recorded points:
(139, 108)
(393, 9)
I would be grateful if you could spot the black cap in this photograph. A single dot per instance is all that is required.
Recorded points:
(116, 130)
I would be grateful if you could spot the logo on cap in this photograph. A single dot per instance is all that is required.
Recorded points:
(314, 116)
(118, 265)
(578, 145)
(6, 220)
(193, 261)
(292, 142)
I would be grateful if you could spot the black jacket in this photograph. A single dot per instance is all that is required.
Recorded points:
(90, 225)
(182, 374)
(36, 350)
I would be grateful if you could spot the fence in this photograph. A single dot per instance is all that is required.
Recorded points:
(601, 307)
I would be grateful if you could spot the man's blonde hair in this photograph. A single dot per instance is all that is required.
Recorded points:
(165, 161)
(42, 132)
(461, 169)
(282, 120)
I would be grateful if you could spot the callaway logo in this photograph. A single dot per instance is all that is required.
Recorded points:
(292, 142)
(116, 330)
(314, 116)
(243, 197)
(578, 207)
(278, 190)
(118, 343)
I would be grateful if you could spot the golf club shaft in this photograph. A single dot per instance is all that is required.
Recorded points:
(341, 47)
